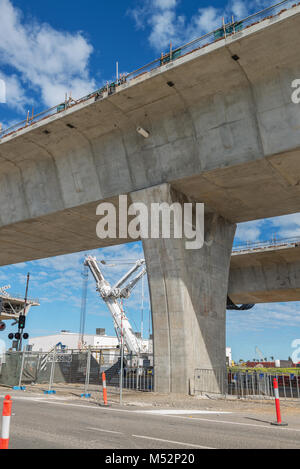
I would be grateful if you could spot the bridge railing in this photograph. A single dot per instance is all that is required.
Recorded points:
(252, 246)
(17, 296)
(226, 30)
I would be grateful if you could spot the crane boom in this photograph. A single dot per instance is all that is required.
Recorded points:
(112, 295)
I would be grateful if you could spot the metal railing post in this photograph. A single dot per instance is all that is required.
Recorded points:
(87, 374)
(22, 368)
(20, 387)
(283, 382)
(121, 373)
(50, 390)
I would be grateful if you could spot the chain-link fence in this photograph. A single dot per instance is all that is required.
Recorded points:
(255, 384)
(81, 368)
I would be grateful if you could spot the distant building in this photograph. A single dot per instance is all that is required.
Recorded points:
(228, 356)
(71, 340)
(275, 364)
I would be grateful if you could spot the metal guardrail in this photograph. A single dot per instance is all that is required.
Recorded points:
(18, 296)
(260, 384)
(284, 242)
(243, 384)
(223, 32)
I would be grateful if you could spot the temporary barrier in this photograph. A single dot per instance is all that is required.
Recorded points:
(6, 415)
(277, 404)
(104, 388)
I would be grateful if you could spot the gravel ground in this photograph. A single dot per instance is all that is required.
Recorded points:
(151, 399)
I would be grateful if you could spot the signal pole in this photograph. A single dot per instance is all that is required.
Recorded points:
(22, 318)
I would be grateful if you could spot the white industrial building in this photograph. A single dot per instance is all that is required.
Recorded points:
(228, 356)
(71, 341)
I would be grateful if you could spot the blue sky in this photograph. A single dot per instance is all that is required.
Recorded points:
(52, 47)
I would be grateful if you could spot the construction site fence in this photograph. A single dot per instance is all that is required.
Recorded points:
(83, 369)
(246, 384)
(228, 29)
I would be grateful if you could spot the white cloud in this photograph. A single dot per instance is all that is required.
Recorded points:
(15, 94)
(249, 231)
(164, 27)
(277, 228)
(164, 4)
(239, 8)
(265, 316)
(287, 226)
(53, 61)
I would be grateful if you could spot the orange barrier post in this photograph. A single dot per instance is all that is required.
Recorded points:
(6, 414)
(104, 388)
(277, 404)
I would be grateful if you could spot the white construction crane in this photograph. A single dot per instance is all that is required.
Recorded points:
(112, 296)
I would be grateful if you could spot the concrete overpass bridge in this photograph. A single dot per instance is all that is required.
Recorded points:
(265, 273)
(222, 130)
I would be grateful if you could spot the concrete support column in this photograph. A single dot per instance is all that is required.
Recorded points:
(188, 290)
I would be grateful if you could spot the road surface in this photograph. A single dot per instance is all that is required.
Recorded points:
(40, 422)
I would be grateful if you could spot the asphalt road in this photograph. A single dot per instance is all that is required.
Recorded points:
(54, 423)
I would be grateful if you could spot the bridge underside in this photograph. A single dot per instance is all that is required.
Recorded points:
(225, 133)
(261, 189)
(265, 275)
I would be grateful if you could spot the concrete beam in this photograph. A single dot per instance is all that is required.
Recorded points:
(226, 134)
(265, 275)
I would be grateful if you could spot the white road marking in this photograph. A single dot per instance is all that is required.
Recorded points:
(37, 398)
(237, 423)
(105, 431)
(172, 442)
(270, 427)
(181, 412)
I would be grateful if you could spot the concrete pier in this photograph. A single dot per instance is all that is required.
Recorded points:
(188, 290)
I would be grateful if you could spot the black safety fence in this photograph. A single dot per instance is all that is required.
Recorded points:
(82, 368)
